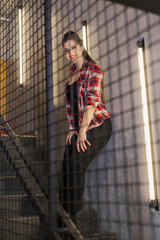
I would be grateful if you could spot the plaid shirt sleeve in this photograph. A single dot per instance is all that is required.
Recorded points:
(90, 87)
(94, 87)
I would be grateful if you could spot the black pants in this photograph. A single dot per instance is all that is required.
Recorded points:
(76, 163)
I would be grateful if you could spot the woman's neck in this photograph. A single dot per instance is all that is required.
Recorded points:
(79, 64)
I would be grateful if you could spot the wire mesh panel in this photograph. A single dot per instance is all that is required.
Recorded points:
(73, 156)
(23, 121)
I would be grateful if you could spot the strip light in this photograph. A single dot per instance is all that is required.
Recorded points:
(84, 32)
(20, 45)
(147, 129)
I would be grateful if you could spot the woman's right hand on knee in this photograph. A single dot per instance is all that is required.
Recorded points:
(70, 135)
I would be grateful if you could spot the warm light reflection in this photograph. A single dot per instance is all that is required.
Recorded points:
(20, 45)
(146, 125)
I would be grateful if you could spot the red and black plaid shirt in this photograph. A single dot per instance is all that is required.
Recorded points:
(90, 93)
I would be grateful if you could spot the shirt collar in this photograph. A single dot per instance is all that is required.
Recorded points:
(73, 67)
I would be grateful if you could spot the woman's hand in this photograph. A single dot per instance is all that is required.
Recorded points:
(81, 141)
(82, 136)
(70, 135)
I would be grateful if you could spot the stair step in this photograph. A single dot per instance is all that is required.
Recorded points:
(87, 223)
(17, 205)
(21, 228)
(5, 167)
(29, 143)
(28, 140)
(103, 236)
(39, 169)
(62, 230)
(11, 185)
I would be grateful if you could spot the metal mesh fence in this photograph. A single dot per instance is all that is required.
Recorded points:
(24, 163)
(105, 192)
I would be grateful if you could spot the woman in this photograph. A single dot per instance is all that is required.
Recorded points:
(89, 122)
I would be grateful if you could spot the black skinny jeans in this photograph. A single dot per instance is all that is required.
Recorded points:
(76, 163)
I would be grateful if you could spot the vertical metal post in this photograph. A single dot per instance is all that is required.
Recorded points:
(50, 114)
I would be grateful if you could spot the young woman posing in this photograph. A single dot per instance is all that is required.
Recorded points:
(89, 122)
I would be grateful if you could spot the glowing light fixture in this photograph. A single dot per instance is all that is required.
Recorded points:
(84, 32)
(147, 128)
(20, 45)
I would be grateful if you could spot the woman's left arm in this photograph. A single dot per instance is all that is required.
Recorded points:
(82, 136)
(93, 92)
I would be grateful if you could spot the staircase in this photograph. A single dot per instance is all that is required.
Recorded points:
(19, 164)
(24, 195)
(19, 216)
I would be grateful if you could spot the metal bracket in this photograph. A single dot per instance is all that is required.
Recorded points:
(154, 204)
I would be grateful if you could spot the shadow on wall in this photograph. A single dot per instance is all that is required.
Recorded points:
(116, 181)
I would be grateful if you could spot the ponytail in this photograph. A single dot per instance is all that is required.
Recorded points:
(87, 57)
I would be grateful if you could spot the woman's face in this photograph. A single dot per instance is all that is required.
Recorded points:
(73, 51)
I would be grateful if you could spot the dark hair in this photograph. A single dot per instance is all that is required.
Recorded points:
(71, 35)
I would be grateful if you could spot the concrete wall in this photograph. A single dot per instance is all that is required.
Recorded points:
(116, 181)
